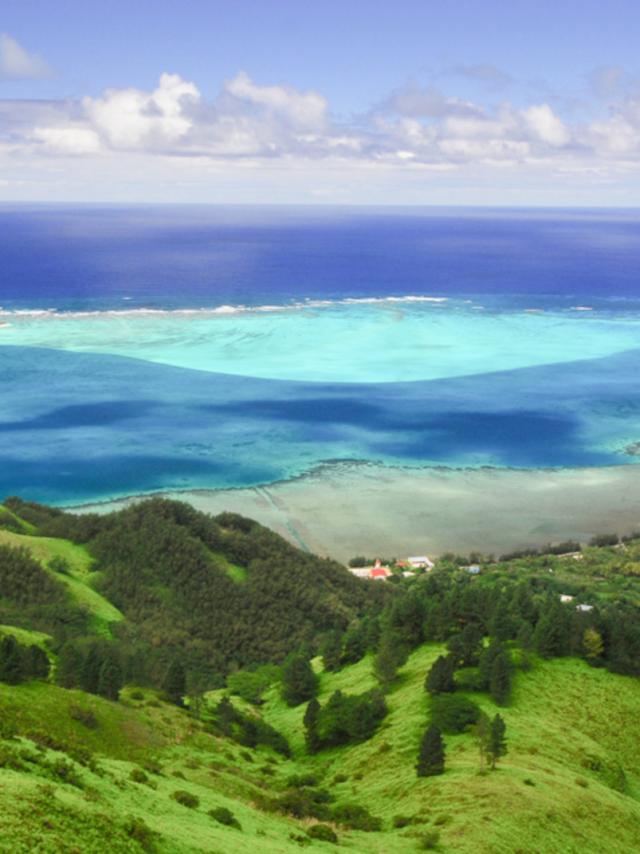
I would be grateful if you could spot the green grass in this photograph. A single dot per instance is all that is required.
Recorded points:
(78, 580)
(570, 782)
(25, 636)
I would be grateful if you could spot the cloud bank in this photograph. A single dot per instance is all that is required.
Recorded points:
(414, 130)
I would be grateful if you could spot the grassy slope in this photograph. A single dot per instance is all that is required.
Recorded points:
(566, 717)
(78, 581)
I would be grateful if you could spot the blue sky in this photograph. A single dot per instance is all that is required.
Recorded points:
(343, 102)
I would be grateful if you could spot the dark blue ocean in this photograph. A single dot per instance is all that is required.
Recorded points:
(148, 348)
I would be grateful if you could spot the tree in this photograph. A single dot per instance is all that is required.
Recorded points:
(431, 753)
(497, 742)
(332, 651)
(466, 646)
(481, 731)
(310, 722)
(551, 637)
(11, 666)
(110, 679)
(440, 678)
(175, 683)
(299, 682)
(90, 669)
(392, 654)
(493, 651)
(36, 662)
(500, 678)
(592, 644)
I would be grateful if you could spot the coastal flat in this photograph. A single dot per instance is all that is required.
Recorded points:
(344, 509)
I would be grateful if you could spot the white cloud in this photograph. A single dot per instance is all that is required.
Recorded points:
(17, 64)
(249, 128)
(545, 125)
(131, 118)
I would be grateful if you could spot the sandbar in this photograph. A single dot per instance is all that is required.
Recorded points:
(345, 509)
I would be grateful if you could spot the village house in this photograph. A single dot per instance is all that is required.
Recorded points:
(584, 608)
(377, 572)
(420, 562)
(564, 597)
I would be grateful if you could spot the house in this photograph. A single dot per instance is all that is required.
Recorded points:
(584, 608)
(474, 569)
(407, 573)
(377, 572)
(420, 562)
(564, 597)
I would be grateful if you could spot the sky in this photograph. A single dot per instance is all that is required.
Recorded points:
(411, 102)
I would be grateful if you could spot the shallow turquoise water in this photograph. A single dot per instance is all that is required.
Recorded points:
(356, 341)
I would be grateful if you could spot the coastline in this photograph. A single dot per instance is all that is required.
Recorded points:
(341, 509)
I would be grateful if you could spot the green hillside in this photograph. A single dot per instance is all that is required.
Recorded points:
(556, 790)
(156, 719)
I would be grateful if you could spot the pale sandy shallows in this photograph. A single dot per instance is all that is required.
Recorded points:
(347, 509)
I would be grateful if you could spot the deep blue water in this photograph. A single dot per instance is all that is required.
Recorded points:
(198, 256)
(77, 425)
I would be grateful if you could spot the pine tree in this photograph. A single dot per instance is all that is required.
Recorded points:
(440, 678)
(11, 665)
(500, 678)
(310, 722)
(110, 679)
(299, 682)
(332, 651)
(69, 666)
(493, 651)
(431, 754)
(36, 662)
(392, 654)
(481, 731)
(592, 644)
(175, 683)
(497, 742)
(90, 670)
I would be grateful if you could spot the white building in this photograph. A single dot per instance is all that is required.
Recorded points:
(420, 562)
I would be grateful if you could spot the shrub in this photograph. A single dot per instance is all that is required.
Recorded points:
(84, 716)
(137, 694)
(452, 714)
(429, 840)
(66, 772)
(323, 832)
(186, 799)
(340, 778)
(137, 775)
(224, 816)
(138, 830)
(357, 817)
(401, 820)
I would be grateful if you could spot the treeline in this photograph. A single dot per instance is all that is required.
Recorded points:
(218, 593)
(30, 598)
(20, 663)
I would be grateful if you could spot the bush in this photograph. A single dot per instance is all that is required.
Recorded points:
(401, 820)
(138, 830)
(84, 716)
(429, 840)
(357, 817)
(137, 775)
(136, 694)
(224, 816)
(452, 714)
(323, 832)
(186, 799)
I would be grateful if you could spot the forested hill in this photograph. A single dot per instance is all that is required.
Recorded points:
(219, 592)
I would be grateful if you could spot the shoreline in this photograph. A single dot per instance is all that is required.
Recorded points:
(341, 509)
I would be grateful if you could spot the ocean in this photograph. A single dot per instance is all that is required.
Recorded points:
(175, 348)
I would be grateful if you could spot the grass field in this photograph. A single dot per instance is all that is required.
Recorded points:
(78, 579)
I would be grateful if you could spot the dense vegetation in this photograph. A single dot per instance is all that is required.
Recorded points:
(217, 593)
(340, 709)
